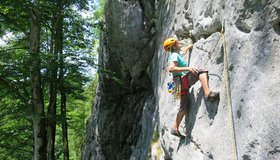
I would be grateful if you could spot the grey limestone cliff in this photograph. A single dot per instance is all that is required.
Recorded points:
(132, 101)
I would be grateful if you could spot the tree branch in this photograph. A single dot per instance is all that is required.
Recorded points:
(11, 21)
(15, 148)
(13, 89)
(11, 49)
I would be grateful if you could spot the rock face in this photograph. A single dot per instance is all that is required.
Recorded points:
(133, 101)
(122, 116)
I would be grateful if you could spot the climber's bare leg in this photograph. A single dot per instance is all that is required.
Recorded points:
(203, 77)
(178, 120)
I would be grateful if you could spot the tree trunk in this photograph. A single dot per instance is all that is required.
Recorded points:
(64, 127)
(51, 125)
(37, 95)
(57, 47)
(63, 110)
(62, 89)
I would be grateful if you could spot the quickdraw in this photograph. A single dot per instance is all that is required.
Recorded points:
(179, 86)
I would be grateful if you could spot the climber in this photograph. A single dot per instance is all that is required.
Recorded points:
(188, 76)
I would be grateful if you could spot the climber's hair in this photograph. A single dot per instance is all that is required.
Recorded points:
(173, 49)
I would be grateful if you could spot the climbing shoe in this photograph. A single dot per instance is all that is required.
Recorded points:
(213, 96)
(176, 133)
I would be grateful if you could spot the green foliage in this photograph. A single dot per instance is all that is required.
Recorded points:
(155, 136)
(78, 112)
(15, 129)
(78, 116)
(80, 42)
(155, 145)
(99, 12)
(15, 17)
(16, 141)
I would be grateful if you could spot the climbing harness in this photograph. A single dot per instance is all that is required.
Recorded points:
(170, 87)
(174, 87)
(229, 102)
(185, 85)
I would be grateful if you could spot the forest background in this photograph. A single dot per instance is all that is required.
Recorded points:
(48, 62)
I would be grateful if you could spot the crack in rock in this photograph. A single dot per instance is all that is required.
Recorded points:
(209, 155)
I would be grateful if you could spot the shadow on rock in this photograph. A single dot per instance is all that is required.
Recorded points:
(212, 108)
(183, 141)
(190, 118)
(191, 114)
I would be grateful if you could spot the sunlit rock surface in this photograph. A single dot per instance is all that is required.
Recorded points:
(132, 100)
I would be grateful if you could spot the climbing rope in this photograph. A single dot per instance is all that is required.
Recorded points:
(229, 101)
(229, 104)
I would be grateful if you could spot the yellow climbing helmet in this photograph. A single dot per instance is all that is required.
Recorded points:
(169, 43)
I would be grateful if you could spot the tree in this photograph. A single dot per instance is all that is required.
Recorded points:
(38, 115)
(42, 66)
(56, 48)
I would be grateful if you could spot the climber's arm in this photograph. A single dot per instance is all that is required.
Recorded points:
(184, 50)
(174, 68)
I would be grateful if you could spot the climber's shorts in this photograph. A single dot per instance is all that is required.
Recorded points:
(189, 80)
(193, 78)
(185, 103)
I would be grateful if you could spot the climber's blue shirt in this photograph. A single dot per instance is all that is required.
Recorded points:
(178, 57)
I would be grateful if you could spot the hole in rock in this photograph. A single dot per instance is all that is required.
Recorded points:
(276, 26)
(243, 27)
